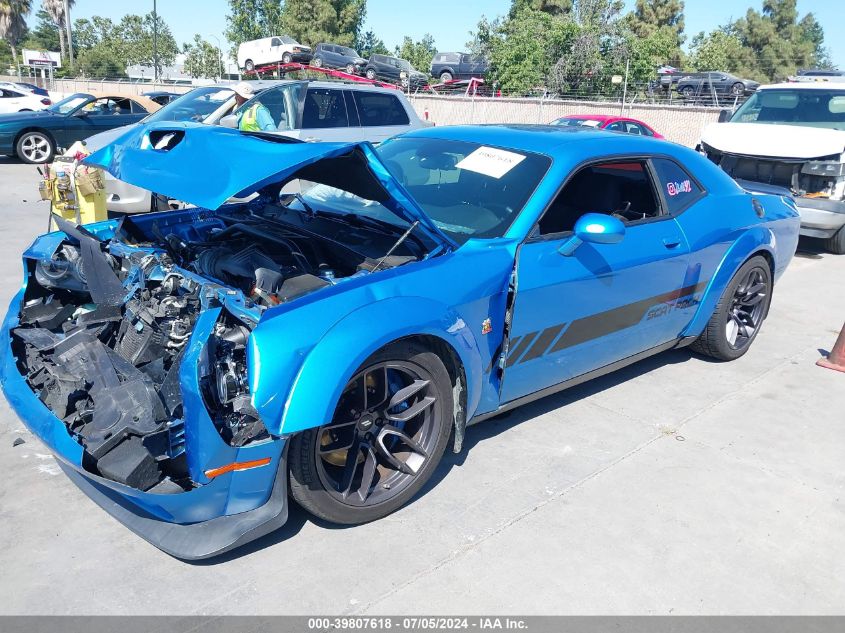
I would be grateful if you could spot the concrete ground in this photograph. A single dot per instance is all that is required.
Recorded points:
(676, 485)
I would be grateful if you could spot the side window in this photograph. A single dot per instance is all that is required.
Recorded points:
(377, 108)
(621, 188)
(109, 106)
(679, 189)
(137, 108)
(633, 128)
(465, 59)
(324, 108)
(281, 103)
(5, 94)
(615, 127)
(275, 42)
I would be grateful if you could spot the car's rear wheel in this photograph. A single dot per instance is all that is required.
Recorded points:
(688, 91)
(317, 62)
(836, 243)
(249, 65)
(738, 316)
(350, 69)
(35, 147)
(738, 89)
(445, 76)
(389, 431)
(371, 74)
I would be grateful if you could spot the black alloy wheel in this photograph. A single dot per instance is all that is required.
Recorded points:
(389, 431)
(738, 89)
(740, 313)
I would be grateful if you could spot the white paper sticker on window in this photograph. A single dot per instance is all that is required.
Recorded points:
(491, 161)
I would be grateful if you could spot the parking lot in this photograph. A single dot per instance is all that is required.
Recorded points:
(677, 485)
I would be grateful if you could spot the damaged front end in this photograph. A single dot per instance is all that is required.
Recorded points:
(133, 370)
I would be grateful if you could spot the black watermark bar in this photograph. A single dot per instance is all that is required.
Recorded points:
(403, 623)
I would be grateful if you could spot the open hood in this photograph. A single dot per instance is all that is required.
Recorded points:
(207, 165)
(776, 141)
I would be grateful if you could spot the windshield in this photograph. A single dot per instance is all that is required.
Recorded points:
(288, 40)
(69, 104)
(348, 52)
(789, 106)
(404, 65)
(467, 189)
(574, 122)
(195, 105)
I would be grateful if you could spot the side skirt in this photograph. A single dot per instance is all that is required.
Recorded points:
(578, 380)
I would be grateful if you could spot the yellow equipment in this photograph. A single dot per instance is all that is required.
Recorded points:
(76, 192)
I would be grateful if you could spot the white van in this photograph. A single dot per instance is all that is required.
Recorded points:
(272, 50)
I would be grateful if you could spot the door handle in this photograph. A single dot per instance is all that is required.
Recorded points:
(671, 242)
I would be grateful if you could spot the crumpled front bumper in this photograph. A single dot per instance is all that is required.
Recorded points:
(218, 515)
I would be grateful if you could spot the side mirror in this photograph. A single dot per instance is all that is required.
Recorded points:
(594, 228)
(230, 120)
(724, 115)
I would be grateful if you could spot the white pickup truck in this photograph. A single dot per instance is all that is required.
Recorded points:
(790, 139)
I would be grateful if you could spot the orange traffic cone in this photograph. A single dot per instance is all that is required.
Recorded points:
(836, 358)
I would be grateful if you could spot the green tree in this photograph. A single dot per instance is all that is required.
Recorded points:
(202, 59)
(132, 42)
(552, 7)
(314, 21)
(369, 44)
(718, 50)
(45, 35)
(55, 9)
(251, 20)
(774, 43)
(13, 27)
(99, 61)
(647, 53)
(419, 53)
(651, 16)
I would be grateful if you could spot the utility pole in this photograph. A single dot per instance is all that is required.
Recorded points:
(68, 30)
(155, 42)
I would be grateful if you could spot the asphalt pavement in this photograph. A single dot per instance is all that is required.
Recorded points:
(676, 485)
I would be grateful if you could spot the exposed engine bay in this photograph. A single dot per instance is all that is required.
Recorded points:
(105, 324)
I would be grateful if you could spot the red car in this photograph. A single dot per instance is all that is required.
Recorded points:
(608, 122)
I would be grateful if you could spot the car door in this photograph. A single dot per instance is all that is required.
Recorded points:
(326, 117)
(604, 302)
(382, 115)
(8, 102)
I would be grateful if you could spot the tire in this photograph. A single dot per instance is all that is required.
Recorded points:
(317, 62)
(35, 147)
(738, 89)
(754, 275)
(371, 74)
(286, 58)
(688, 91)
(317, 476)
(445, 76)
(249, 66)
(836, 243)
(350, 69)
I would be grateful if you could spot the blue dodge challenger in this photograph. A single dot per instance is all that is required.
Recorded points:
(328, 318)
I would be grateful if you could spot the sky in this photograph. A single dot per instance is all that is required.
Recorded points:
(449, 21)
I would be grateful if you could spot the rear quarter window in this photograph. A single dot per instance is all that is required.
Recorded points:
(678, 188)
(376, 109)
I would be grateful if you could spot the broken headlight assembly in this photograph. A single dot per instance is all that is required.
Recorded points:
(226, 387)
(63, 270)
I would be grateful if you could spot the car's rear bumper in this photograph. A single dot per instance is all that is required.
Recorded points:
(219, 514)
(820, 217)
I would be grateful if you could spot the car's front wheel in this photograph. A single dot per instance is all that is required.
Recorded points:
(35, 147)
(738, 316)
(389, 431)
(287, 58)
(317, 62)
(249, 65)
(445, 76)
(738, 89)
(350, 69)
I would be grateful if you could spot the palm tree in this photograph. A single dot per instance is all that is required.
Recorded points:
(56, 10)
(13, 22)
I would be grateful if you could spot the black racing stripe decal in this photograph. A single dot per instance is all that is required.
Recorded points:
(543, 341)
(519, 348)
(604, 323)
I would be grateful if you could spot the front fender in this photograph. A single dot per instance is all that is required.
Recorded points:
(754, 240)
(320, 373)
